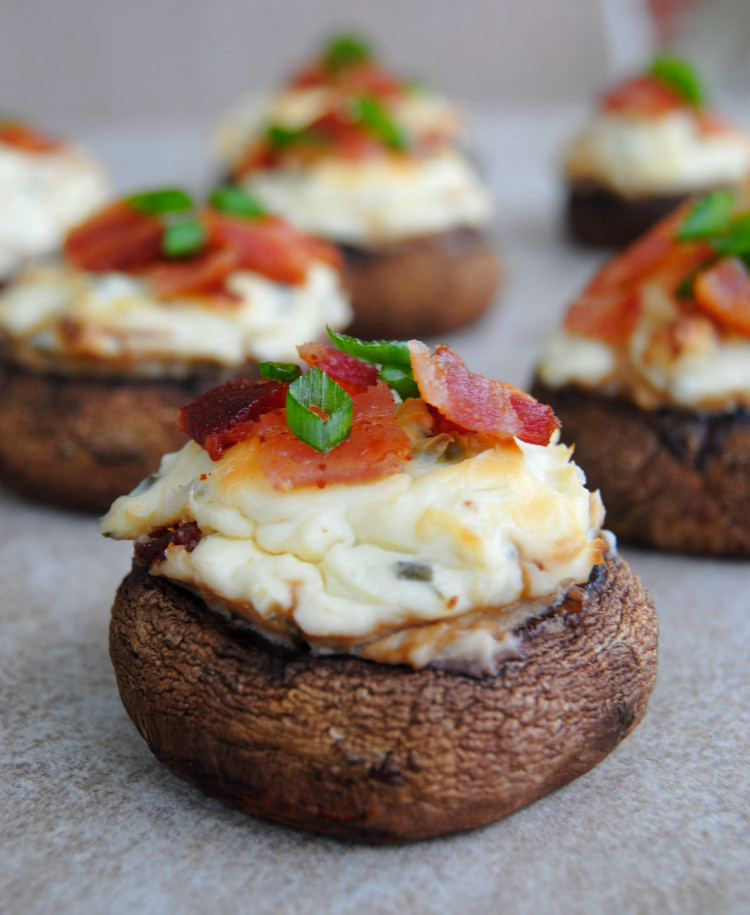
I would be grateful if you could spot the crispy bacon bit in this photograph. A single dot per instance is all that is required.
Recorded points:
(21, 136)
(117, 238)
(270, 246)
(204, 274)
(475, 403)
(723, 291)
(229, 413)
(376, 447)
(188, 534)
(354, 375)
(609, 307)
(643, 95)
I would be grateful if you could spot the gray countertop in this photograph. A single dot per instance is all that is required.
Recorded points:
(91, 823)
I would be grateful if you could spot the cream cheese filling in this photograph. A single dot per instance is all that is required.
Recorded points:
(379, 200)
(55, 315)
(437, 563)
(42, 195)
(670, 154)
(669, 360)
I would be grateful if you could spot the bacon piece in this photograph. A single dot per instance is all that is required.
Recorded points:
(201, 275)
(376, 447)
(354, 375)
(270, 246)
(21, 136)
(643, 95)
(609, 307)
(229, 413)
(723, 291)
(117, 238)
(187, 534)
(475, 403)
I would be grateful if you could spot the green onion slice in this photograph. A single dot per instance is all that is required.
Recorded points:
(280, 137)
(319, 411)
(158, 203)
(710, 216)
(345, 51)
(379, 352)
(279, 371)
(373, 115)
(679, 76)
(736, 239)
(237, 201)
(401, 380)
(182, 239)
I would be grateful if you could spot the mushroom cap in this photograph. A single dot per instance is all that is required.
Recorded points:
(671, 478)
(420, 287)
(374, 752)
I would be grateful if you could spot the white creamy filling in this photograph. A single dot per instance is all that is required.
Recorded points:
(42, 195)
(379, 200)
(663, 155)
(420, 111)
(56, 312)
(669, 359)
(346, 566)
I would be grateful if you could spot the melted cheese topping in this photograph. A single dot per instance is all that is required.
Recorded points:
(58, 316)
(42, 195)
(437, 563)
(377, 201)
(669, 360)
(657, 155)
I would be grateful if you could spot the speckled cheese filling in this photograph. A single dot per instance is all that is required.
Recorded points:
(56, 315)
(42, 195)
(669, 360)
(436, 563)
(635, 156)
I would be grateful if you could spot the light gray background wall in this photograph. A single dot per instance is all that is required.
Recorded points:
(87, 62)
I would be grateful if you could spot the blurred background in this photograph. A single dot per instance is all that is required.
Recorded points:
(83, 64)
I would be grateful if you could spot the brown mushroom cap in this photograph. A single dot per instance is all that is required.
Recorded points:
(597, 216)
(420, 287)
(80, 442)
(675, 479)
(373, 752)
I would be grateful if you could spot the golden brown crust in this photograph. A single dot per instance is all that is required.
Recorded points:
(81, 442)
(373, 752)
(675, 479)
(598, 216)
(421, 287)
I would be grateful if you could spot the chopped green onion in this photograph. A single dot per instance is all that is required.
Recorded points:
(280, 137)
(710, 216)
(235, 200)
(680, 77)
(279, 371)
(401, 380)
(158, 203)
(373, 115)
(379, 352)
(414, 571)
(344, 51)
(310, 396)
(736, 239)
(182, 239)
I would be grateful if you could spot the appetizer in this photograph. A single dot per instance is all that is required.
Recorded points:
(152, 302)
(651, 378)
(46, 187)
(651, 145)
(351, 153)
(375, 599)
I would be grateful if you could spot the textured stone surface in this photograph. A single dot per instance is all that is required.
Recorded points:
(90, 822)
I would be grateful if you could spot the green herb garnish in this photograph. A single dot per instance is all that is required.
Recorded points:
(345, 51)
(679, 76)
(375, 118)
(280, 138)
(318, 411)
(379, 352)
(279, 371)
(160, 203)
(235, 200)
(401, 380)
(710, 216)
(183, 239)
(414, 571)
